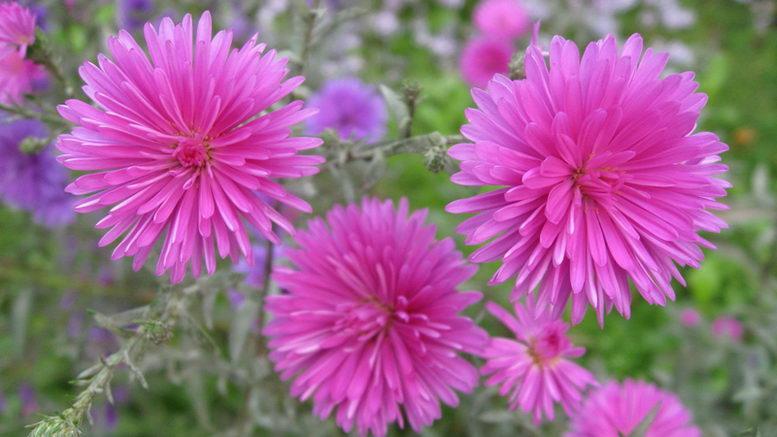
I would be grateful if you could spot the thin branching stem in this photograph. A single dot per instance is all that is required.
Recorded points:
(97, 378)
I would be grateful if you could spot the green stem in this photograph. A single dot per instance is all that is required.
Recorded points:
(97, 378)
(51, 119)
(307, 42)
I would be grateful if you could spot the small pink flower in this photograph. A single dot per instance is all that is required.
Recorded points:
(482, 58)
(18, 76)
(689, 317)
(617, 410)
(186, 147)
(371, 329)
(534, 370)
(502, 19)
(17, 26)
(728, 327)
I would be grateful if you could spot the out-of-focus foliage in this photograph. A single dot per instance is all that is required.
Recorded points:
(208, 375)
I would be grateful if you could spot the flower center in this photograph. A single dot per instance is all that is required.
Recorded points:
(548, 345)
(371, 316)
(192, 152)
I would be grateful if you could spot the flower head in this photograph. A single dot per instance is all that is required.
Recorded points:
(503, 19)
(728, 327)
(482, 58)
(18, 76)
(690, 317)
(601, 179)
(17, 26)
(28, 397)
(534, 369)
(180, 146)
(351, 108)
(33, 181)
(617, 410)
(370, 328)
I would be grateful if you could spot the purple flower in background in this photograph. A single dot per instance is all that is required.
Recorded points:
(254, 271)
(689, 317)
(29, 399)
(133, 14)
(728, 327)
(239, 22)
(106, 416)
(101, 342)
(2, 402)
(482, 58)
(351, 108)
(40, 13)
(75, 325)
(33, 181)
(236, 298)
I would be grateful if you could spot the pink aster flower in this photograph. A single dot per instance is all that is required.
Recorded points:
(689, 317)
(18, 76)
(17, 26)
(181, 146)
(482, 58)
(370, 329)
(534, 369)
(728, 327)
(617, 410)
(505, 19)
(601, 178)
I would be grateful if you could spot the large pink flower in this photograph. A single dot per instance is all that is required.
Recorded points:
(17, 26)
(618, 410)
(534, 370)
(600, 177)
(370, 328)
(180, 146)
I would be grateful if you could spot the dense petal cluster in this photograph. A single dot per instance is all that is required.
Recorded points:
(33, 182)
(353, 109)
(533, 370)
(17, 25)
(370, 327)
(504, 19)
(619, 410)
(600, 177)
(180, 146)
(483, 57)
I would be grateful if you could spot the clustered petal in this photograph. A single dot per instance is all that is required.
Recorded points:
(533, 370)
(17, 26)
(370, 328)
(18, 75)
(617, 410)
(180, 146)
(600, 177)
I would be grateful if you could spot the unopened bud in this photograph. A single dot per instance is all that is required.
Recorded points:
(33, 145)
(517, 68)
